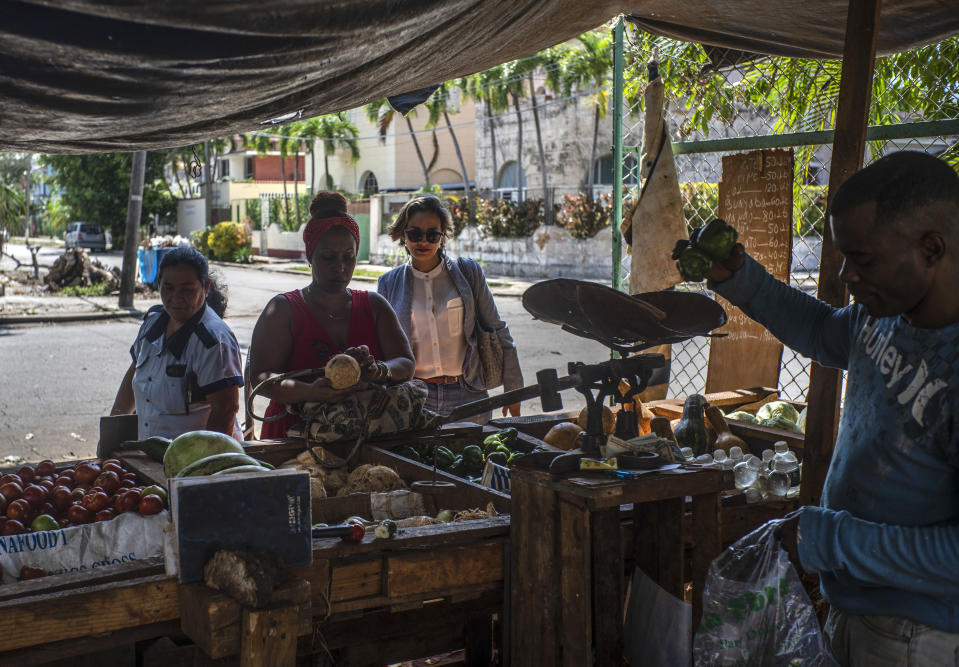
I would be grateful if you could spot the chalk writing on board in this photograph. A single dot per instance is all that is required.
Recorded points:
(755, 197)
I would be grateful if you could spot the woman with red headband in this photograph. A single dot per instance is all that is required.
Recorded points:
(302, 329)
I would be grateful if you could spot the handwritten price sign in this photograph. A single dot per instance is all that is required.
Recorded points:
(755, 197)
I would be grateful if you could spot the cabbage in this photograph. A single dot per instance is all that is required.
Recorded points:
(742, 416)
(801, 422)
(778, 409)
(780, 422)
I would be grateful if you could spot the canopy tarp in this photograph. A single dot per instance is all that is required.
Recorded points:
(98, 75)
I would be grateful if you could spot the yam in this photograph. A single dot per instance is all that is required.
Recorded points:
(565, 435)
(609, 419)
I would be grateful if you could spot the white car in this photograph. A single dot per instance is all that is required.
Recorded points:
(85, 235)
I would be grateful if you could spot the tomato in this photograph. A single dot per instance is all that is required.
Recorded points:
(46, 468)
(10, 477)
(27, 473)
(19, 510)
(11, 491)
(46, 483)
(86, 472)
(129, 476)
(64, 522)
(108, 480)
(110, 461)
(151, 504)
(106, 514)
(78, 493)
(78, 514)
(95, 501)
(127, 484)
(62, 497)
(35, 495)
(27, 572)
(130, 500)
(3, 505)
(13, 527)
(358, 532)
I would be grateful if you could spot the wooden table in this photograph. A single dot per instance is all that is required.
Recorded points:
(566, 577)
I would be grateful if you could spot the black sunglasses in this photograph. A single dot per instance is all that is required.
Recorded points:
(416, 235)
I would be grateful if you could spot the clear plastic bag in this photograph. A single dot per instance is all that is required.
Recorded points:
(755, 610)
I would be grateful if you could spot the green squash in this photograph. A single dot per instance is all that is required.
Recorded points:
(691, 430)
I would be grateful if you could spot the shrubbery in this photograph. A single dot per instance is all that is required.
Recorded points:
(225, 241)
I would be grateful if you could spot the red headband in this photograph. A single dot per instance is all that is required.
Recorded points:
(316, 228)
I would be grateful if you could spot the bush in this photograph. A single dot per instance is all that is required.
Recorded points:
(459, 211)
(228, 241)
(700, 203)
(584, 217)
(809, 213)
(200, 239)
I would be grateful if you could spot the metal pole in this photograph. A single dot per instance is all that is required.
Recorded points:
(26, 202)
(130, 237)
(618, 69)
(208, 203)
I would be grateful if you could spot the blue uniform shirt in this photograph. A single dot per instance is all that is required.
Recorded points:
(174, 375)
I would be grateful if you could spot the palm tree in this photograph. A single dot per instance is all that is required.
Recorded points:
(336, 131)
(438, 105)
(380, 112)
(550, 63)
(512, 85)
(482, 87)
(12, 207)
(590, 67)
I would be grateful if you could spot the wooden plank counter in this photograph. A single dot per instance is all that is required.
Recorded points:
(566, 556)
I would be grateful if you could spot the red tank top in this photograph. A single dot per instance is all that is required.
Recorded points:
(312, 347)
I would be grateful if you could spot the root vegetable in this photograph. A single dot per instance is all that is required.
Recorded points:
(343, 371)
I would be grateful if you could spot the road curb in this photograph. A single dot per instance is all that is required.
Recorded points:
(60, 318)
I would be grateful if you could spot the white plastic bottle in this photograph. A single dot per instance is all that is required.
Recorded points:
(745, 472)
(778, 480)
(783, 453)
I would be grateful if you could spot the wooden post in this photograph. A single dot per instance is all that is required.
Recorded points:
(849, 143)
(130, 237)
(268, 637)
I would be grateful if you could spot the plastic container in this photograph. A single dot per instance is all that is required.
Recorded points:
(148, 263)
(745, 473)
(784, 454)
(779, 479)
(736, 452)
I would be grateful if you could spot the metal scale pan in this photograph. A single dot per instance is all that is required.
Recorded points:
(619, 321)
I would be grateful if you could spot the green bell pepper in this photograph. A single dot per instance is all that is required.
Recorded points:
(693, 264)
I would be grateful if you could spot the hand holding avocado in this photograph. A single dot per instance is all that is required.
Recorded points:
(712, 252)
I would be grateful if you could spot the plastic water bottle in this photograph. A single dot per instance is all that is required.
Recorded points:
(745, 472)
(768, 458)
(753, 495)
(687, 453)
(736, 453)
(779, 481)
(724, 462)
(704, 459)
(783, 453)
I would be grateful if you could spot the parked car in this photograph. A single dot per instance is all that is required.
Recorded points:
(85, 235)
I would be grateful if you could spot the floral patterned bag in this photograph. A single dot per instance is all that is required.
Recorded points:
(376, 410)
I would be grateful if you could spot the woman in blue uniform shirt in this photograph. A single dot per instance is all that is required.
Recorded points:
(186, 370)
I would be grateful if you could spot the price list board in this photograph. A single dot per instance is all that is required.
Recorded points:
(755, 197)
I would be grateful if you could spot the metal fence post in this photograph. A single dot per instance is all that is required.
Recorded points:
(618, 69)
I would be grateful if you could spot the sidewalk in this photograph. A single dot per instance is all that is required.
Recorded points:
(499, 285)
(19, 309)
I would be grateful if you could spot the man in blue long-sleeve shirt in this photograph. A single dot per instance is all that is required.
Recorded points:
(885, 541)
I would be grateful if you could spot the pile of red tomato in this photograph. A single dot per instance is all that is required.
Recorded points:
(40, 497)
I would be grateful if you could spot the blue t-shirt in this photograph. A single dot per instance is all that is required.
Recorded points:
(886, 539)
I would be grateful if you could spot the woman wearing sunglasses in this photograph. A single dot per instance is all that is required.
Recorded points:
(302, 329)
(439, 302)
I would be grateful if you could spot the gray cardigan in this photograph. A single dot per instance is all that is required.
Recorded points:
(396, 286)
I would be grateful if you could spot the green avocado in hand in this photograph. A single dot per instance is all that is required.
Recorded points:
(717, 239)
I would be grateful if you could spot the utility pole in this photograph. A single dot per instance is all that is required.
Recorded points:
(208, 198)
(26, 201)
(130, 237)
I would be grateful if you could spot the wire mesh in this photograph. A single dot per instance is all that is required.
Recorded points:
(707, 99)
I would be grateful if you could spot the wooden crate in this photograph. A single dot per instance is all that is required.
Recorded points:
(452, 573)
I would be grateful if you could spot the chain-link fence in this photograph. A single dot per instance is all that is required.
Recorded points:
(721, 103)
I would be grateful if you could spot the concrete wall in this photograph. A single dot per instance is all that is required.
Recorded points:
(279, 243)
(550, 252)
(191, 216)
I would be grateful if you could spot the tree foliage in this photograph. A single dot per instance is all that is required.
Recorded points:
(96, 187)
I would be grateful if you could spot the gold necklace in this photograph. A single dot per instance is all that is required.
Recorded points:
(328, 313)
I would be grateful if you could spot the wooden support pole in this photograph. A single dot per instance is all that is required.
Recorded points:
(849, 143)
